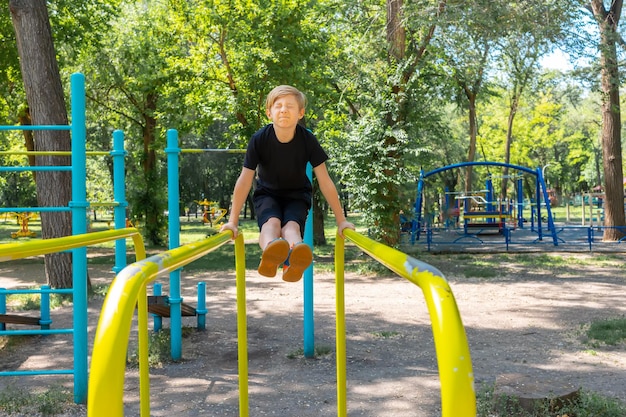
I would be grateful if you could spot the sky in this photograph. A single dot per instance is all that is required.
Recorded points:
(557, 60)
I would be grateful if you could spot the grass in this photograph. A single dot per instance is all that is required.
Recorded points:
(55, 400)
(607, 332)
(589, 404)
(159, 348)
(319, 351)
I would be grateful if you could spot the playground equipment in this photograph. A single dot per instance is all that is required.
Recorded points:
(78, 242)
(108, 361)
(173, 151)
(14, 251)
(106, 383)
(212, 212)
(23, 219)
(486, 211)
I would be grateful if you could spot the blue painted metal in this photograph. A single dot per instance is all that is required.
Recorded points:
(36, 127)
(481, 163)
(172, 150)
(201, 309)
(309, 321)
(119, 196)
(44, 307)
(79, 206)
(157, 290)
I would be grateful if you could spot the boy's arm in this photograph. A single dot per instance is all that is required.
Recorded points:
(240, 194)
(332, 197)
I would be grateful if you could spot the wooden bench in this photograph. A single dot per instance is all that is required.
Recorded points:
(17, 319)
(159, 305)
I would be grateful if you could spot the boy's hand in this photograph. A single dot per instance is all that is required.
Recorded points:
(232, 227)
(344, 225)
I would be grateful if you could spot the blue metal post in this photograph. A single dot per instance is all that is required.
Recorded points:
(119, 196)
(490, 196)
(201, 310)
(309, 325)
(172, 150)
(520, 203)
(3, 306)
(44, 307)
(158, 320)
(78, 207)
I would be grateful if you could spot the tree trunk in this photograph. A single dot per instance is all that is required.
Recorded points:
(473, 133)
(509, 142)
(611, 118)
(44, 94)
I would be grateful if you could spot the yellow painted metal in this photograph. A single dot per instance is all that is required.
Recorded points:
(20, 250)
(108, 362)
(242, 326)
(458, 397)
(340, 328)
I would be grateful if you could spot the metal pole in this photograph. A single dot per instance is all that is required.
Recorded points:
(79, 206)
(309, 325)
(175, 299)
(119, 196)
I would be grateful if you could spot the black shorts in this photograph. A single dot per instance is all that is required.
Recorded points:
(285, 208)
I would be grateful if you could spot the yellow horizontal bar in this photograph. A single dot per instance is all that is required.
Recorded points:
(108, 361)
(458, 397)
(13, 251)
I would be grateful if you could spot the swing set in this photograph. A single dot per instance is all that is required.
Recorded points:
(481, 212)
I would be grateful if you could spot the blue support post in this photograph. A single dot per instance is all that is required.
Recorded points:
(78, 206)
(158, 320)
(172, 150)
(119, 196)
(309, 325)
(44, 307)
(201, 310)
(490, 196)
(3, 306)
(520, 203)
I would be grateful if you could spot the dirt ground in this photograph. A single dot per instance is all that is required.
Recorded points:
(522, 321)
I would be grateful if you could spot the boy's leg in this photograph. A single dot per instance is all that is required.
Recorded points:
(301, 255)
(275, 249)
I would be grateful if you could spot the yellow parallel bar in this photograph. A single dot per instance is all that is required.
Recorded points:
(242, 326)
(12, 251)
(108, 362)
(340, 328)
(458, 397)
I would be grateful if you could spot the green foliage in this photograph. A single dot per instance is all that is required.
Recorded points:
(55, 400)
(159, 348)
(609, 332)
(589, 404)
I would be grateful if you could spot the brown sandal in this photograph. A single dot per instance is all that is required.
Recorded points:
(300, 257)
(274, 254)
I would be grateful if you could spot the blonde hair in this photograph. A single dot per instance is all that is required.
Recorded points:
(285, 90)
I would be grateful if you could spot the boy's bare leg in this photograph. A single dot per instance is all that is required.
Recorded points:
(300, 255)
(275, 249)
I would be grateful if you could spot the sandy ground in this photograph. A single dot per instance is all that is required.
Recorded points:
(520, 322)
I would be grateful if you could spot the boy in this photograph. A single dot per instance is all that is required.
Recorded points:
(282, 198)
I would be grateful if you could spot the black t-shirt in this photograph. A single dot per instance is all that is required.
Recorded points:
(282, 166)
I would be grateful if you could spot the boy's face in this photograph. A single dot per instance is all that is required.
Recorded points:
(285, 112)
